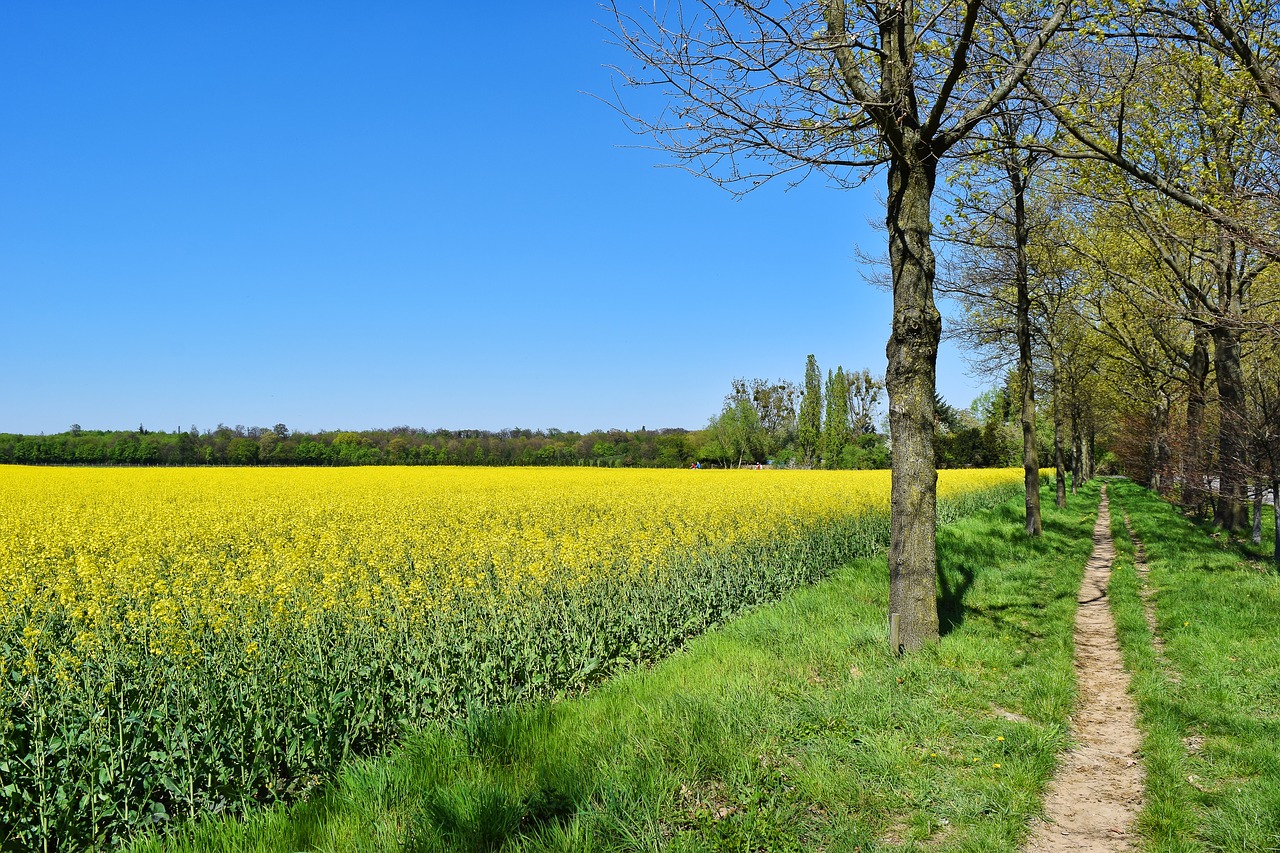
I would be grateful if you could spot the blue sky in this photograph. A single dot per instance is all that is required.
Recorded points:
(341, 215)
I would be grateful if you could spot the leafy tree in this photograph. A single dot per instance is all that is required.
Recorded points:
(868, 451)
(738, 434)
(994, 226)
(242, 450)
(809, 430)
(836, 434)
(775, 409)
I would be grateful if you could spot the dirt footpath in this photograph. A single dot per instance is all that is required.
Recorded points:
(1097, 791)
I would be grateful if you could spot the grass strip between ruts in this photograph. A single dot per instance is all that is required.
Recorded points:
(1209, 700)
(791, 728)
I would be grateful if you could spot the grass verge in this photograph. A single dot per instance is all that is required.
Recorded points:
(1207, 683)
(789, 729)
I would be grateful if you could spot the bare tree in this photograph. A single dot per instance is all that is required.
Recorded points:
(993, 230)
(762, 89)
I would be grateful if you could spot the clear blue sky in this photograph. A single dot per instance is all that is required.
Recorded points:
(362, 215)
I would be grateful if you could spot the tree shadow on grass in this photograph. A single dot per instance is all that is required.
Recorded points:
(996, 542)
(962, 550)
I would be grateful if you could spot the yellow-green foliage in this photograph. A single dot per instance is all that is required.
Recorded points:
(177, 641)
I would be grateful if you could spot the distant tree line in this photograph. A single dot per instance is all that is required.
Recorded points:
(835, 424)
(278, 445)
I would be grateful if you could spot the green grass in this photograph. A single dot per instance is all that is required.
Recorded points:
(791, 728)
(1210, 705)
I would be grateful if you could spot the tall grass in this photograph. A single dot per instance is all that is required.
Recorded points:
(788, 729)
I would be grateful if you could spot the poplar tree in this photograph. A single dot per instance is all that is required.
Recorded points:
(835, 432)
(809, 431)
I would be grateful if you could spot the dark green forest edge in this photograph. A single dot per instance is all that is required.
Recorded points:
(836, 424)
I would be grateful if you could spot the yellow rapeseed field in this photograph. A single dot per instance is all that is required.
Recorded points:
(128, 547)
(174, 641)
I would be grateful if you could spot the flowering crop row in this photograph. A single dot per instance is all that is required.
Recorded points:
(179, 641)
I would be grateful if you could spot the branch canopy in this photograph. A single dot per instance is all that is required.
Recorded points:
(751, 91)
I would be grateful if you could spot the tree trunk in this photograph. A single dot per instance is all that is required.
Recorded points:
(910, 379)
(1030, 453)
(1153, 462)
(1259, 491)
(1060, 464)
(1159, 450)
(1030, 463)
(1059, 455)
(1076, 455)
(1193, 464)
(1275, 515)
(1090, 452)
(1232, 512)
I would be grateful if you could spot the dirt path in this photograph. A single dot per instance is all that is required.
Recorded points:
(1097, 791)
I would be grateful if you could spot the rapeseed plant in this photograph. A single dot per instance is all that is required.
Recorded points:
(181, 640)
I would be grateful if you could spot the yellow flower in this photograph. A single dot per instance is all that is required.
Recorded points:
(180, 556)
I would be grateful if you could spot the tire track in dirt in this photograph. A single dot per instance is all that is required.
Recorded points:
(1097, 791)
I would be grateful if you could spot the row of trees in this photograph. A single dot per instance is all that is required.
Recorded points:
(1125, 268)
(1143, 136)
(839, 424)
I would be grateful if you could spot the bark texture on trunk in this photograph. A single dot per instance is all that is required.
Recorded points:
(1158, 451)
(910, 380)
(1275, 514)
(1059, 455)
(1259, 491)
(1077, 455)
(1030, 453)
(1193, 491)
(1232, 511)
(1090, 451)
(1060, 465)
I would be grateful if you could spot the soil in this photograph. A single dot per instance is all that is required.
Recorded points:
(1097, 791)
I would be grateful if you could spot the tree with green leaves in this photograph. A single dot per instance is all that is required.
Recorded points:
(809, 429)
(993, 226)
(836, 434)
(774, 404)
(737, 434)
(1189, 147)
